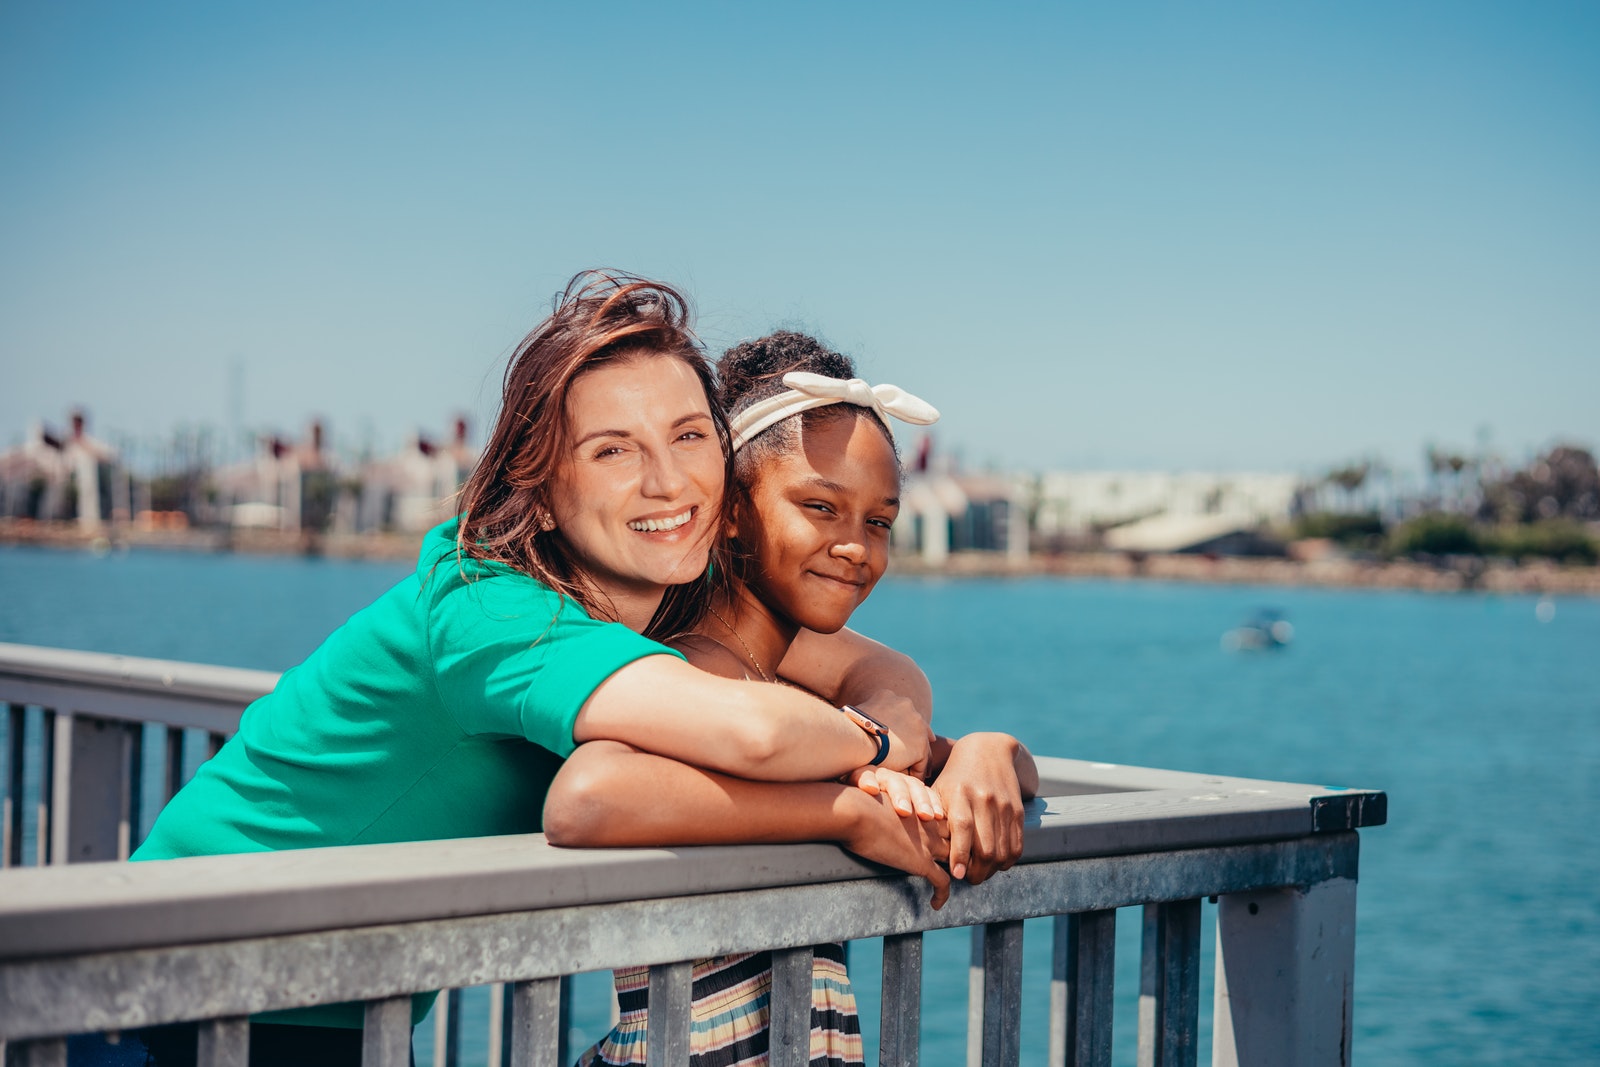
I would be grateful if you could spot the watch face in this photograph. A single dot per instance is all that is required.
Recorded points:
(863, 720)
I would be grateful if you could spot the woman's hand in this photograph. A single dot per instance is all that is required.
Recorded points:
(910, 736)
(907, 795)
(982, 792)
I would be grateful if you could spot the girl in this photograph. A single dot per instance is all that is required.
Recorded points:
(817, 488)
(586, 526)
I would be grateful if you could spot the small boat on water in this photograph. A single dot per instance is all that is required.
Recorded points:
(1266, 629)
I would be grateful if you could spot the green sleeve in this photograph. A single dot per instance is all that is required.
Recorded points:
(513, 658)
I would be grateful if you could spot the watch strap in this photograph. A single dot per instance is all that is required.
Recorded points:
(873, 729)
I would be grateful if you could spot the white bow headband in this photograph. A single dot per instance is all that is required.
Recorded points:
(807, 391)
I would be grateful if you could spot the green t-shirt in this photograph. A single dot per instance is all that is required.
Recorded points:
(411, 722)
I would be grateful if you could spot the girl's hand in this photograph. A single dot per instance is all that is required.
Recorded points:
(907, 795)
(903, 842)
(982, 795)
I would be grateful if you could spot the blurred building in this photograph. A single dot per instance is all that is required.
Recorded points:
(272, 489)
(944, 511)
(1143, 511)
(415, 488)
(57, 476)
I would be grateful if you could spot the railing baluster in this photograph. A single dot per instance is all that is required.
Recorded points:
(452, 1031)
(500, 1026)
(975, 999)
(497, 1030)
(1285, 976)
(214, 741)
(1056, 1052)
(47, 774)
(174, 760)
(667, 1033)
(134, 818)
(48, 1052)
(1169, 985)
(1002, 993)
(61, 787)
(224, 1043)
(789, 1022)
(17, 726)
(89, 816)
(901, 1033)
(443, 1026)
(386, 1038)
(1085, 965)
(535, 1024)
(564, 1021)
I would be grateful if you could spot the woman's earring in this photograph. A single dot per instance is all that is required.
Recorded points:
(545, 521)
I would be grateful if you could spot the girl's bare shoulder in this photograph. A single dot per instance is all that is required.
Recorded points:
(710, 656)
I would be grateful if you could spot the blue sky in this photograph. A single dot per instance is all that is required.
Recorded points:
(1131, 235)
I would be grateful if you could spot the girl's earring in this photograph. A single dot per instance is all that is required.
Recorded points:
(546, 522)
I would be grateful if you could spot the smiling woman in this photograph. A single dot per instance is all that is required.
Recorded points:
(444, 708)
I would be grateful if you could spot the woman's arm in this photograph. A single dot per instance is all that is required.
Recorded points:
(850, 668)
(609, 794)
(663, 705)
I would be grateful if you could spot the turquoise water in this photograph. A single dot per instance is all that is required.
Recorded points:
(1479, 930)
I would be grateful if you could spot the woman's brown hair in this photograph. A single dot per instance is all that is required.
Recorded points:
(601, 317)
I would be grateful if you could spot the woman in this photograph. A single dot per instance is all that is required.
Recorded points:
(816, 490)
(599, 494)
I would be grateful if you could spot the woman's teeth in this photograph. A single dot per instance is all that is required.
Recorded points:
(658, 525)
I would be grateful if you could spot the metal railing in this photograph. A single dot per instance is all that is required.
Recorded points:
(111, 946)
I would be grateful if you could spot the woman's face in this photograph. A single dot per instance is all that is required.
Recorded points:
(637, 494)
(817, 521)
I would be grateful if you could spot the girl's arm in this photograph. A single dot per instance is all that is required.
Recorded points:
(663, 705)
(850, 668)
(609, 794)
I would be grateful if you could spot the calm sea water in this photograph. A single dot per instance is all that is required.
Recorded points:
(1479, 929)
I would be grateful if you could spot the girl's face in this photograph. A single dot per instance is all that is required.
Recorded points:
(638, 490)
(817, 521)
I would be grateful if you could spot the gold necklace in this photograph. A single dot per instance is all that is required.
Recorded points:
(755, 662)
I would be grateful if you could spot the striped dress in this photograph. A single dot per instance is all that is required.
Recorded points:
(728, 1019)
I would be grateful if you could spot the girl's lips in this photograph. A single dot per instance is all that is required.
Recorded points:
(852, 582)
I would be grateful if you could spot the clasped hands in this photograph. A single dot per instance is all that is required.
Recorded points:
(969, 817)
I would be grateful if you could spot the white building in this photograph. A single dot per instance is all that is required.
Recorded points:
(1158, 511)
(415, 488)
(54, 476)
(268, 491)
(942, 511)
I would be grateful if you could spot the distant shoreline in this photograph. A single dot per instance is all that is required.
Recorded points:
(1466, 574)
(1458, 574)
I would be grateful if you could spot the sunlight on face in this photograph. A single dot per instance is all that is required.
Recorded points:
(818, 522)
(638, 491)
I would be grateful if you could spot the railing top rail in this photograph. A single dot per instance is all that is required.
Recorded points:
(62, 910)
(102, 670)
(42, 997)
